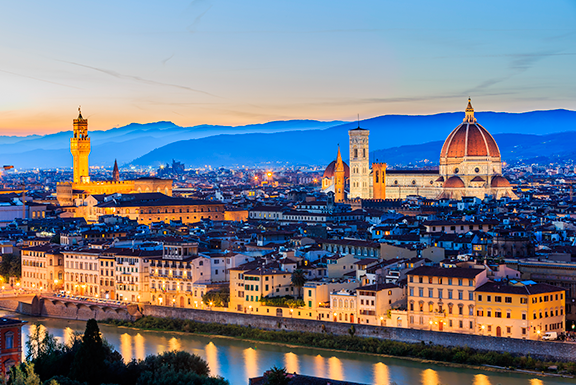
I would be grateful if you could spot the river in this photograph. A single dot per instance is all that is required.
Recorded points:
(238, 360)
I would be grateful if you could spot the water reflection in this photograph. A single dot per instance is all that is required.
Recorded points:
(251, 362)
(68, 336)
(335, 369)
(536, 381)
(381, 374)
(212, 358)
(174, 344)
(126, 347)
(139, 347)
(320, 366)
(291, 363)
(481, 379)
(430, 377)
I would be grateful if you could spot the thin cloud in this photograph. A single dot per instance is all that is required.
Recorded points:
(40, 80)
(139, 79)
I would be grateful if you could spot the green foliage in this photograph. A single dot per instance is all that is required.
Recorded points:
(88, 364)
(321, 339)
(179, 361)
(287, 301)
(218, 298)
(298, 279)
(277, 376)
(352, 331)
(10, 266)
(23, 375)
(91, 360)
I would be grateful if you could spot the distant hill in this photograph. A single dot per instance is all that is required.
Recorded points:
(407, 139)
(125, 143)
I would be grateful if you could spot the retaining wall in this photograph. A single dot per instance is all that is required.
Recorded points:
(83, 312)
(557, 351)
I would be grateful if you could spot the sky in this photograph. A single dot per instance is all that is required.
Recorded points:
(236, 62)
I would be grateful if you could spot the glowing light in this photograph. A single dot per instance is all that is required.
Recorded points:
(430, 377)
(126, 347)
(481, 379)
(335, 369)
(381, 374)
(291, 361)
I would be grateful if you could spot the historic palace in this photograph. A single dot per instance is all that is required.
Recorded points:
(470, 166)
(81, 186)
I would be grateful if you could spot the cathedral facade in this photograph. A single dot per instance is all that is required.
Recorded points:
(72, 193)
(470, 165)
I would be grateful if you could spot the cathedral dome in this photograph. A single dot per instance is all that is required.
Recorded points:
(454, 182)
(329, 172)
(469, 139)
(500, 181)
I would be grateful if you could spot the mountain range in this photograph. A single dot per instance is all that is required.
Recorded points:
(395, 139)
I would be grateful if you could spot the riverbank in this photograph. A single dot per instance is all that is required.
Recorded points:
(459, 357)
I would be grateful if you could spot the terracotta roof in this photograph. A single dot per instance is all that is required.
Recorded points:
(500, 181)
(478, 179)
(527, 289)
(469, 139)
(454, 182)
(455, 272)
(329, 172)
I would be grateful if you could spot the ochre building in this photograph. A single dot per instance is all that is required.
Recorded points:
(70, 193)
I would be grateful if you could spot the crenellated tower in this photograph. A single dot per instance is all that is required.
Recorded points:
(80, 149)
(359, 163)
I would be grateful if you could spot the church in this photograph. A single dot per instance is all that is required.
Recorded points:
(470, 166)
(81, 187)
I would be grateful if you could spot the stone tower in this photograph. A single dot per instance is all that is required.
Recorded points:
(339, 179)
(115, 172)
(379, 180)
(359, 163)
(80, 149)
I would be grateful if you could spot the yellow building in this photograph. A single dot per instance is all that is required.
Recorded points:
(519, 309)
(442, 299)
(42, 268)
(81, 187)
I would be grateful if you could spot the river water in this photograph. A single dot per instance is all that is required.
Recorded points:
(238, 360)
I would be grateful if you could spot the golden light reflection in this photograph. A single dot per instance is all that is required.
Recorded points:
(335, 368)
(536, 381)
(161, 348)
(381, 374)
(251, 362)
(481, 379)
(126, 347)
(291, 362)
(139, 348)
(68, 336)
(430, 377)
(212, 358)
(174, 344)
(320, 366)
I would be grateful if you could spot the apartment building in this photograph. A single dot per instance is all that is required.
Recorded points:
(42, 267)
(519, 309)
(442, 299)
(81, 271)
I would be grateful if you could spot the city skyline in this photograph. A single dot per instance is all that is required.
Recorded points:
(210, 62)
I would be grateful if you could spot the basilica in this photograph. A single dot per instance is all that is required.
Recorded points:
(470, 166)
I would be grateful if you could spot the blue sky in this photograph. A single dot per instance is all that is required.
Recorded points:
(239, 62)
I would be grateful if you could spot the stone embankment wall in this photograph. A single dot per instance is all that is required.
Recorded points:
(538, 349)
(82, 312)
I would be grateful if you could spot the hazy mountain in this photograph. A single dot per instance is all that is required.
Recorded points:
(125, 143)
(420, 137)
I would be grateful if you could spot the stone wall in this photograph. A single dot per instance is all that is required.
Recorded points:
(537, 349)
(83, 312)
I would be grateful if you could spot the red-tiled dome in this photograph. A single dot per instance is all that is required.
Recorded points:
(329, 172)
(500, 181)
(469, 139)
(454, 182)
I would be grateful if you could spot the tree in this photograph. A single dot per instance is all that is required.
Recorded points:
(298, 280)
(218, 298)
(276, 376)
(180, 361)
(352, 331)
(88, 364)
(23, 375)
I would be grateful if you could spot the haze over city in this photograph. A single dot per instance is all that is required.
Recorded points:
(233, 63)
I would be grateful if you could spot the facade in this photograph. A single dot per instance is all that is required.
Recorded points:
(42, 268)
(470, 166)
(519, 309)
(10, 344)
(81, 267)
(73, 193)
(132, 278)
(147, 208)
(442, 299)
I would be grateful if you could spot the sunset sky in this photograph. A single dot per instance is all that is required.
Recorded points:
(238, 62)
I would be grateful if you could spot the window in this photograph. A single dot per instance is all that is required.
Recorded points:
(9, 338)
(449, 281)
(488, 298)
(508, 299)
(497, 299)
(460, 282)
(449, 294)
(498, 314)
(431, 293)
(479, 297)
